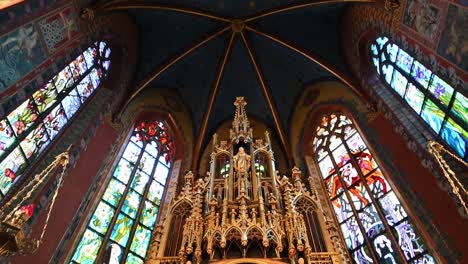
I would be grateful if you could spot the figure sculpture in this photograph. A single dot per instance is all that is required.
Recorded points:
(241, 166)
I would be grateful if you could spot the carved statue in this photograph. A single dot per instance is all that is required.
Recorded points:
(241, 166)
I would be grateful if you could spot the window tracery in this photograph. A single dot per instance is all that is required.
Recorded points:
(372, 220)
(33, 125)
(442, 107)
(127, 211)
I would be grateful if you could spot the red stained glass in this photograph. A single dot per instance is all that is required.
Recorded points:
(155, 131)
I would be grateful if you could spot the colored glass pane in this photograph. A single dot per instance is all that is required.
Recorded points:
(365, 161)
(386, 252)
(23, 117)
(79, 65)
(326, 166)
(387, 72)
(89, 56)
(362, 255)
(414, 97)
(131, 152)
(45, 97)
(455, 136)
(101, 218)
(333, 185)
(421, 74)
(377, 183)
(161, 173)
(342, 207)
(371, 221)
(392, 51)
(404, 61)
(131, 204)
(155, 192)
(352, 234)
(123, 171)
(460, 107)
(149, 214)
(141, 241)
(7, 138)
(132, 259)
(399, 83)
(10, 169)
(355, 143)
(374, 49)
(114, 192)
(55, 120)
(139, 182)
(71, 103)
(85, 88)
(95, 78)
(63, 80)
(425, 259)
(147, 163)
(121, 230)
(348, 174)
(35, 142)
(88, 248)
(391, 207)
(409, 242)
(441, 90)
(359, 195)
(152, 149)
(433, 115)
(334, 142)
(340, 155)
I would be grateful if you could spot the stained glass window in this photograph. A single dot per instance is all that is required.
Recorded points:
(440, 106)
(261, 165)
(126, 213)
(28, 129)
(374, 223)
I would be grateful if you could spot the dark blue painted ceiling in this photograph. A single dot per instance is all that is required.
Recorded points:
(165, 34)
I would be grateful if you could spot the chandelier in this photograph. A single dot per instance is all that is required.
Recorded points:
(13, 240)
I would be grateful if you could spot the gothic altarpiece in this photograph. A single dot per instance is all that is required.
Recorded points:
(244, 210)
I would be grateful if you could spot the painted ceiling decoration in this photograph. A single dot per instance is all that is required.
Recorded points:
(213, 51)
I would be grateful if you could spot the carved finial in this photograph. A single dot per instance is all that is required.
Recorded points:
(240, 124)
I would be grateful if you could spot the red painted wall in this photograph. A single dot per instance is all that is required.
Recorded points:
(69, 198)
(443, 209)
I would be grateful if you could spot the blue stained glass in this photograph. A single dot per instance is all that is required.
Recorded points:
(392, 208)
(381, 41)
(414, 97)
(326, 166)
(376, 64)
(460, 107)
(63, 80)
(87, 250)
(374, 50)
(141, 241)
(441, 90)
(139, 181)
(102, 45)
(7, 138)
(149, 214)
(433, 115)
(362, 255)
(123, 171)
(152, 149)
(352, 234)
(89, 56)
(161, 173)
(78, 65)
(387, 72)
(107, 52)
(399, 83)
(131, 204)
(35, 142)
(155, 192)
(114, 192)
(455, 136)
(371, 221)
(45, 97)
(147, 163)
(421, 74)
(131, 152)
(101, 218)
(386, 252)
(121, 231)
(392, 50)
(404, 61)
(410, 243)
(55, 120)
(425, 259)
(132, 259)
(71, 103)
(342, 207)
(106, 65)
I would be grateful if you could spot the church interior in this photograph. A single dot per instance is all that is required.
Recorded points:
(249, 131)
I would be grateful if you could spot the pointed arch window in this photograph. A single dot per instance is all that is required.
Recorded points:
(441, 106)
(32, 126)
(126, 213)
(374, 223)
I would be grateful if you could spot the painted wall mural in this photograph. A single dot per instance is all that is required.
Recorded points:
(27, 47)
(20, 52)
(453, 44)
(422, 17)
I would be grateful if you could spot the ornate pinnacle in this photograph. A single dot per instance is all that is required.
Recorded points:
(240, 124)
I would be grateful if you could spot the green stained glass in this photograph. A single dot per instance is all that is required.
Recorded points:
(10, 169)
(114, 192)
(152, 148)
(131, 204)
(139, 181)
(132, 259)
(123, 171)
(35, 142)
(433, 115)
(55, 120)
(414, 97)
(63, 80)
(45, 97)
(141, 241)
(460, 107)
(7, 138)
(132, 152)
(155, 192)
(88, 248)
(101, 218)
(149, 214)
(455, 136)
(441, 90)
(121, 231)
(23, 117)
(147, 163)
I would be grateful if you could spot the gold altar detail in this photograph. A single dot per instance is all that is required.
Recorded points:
(18, 210)
(243, 209)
